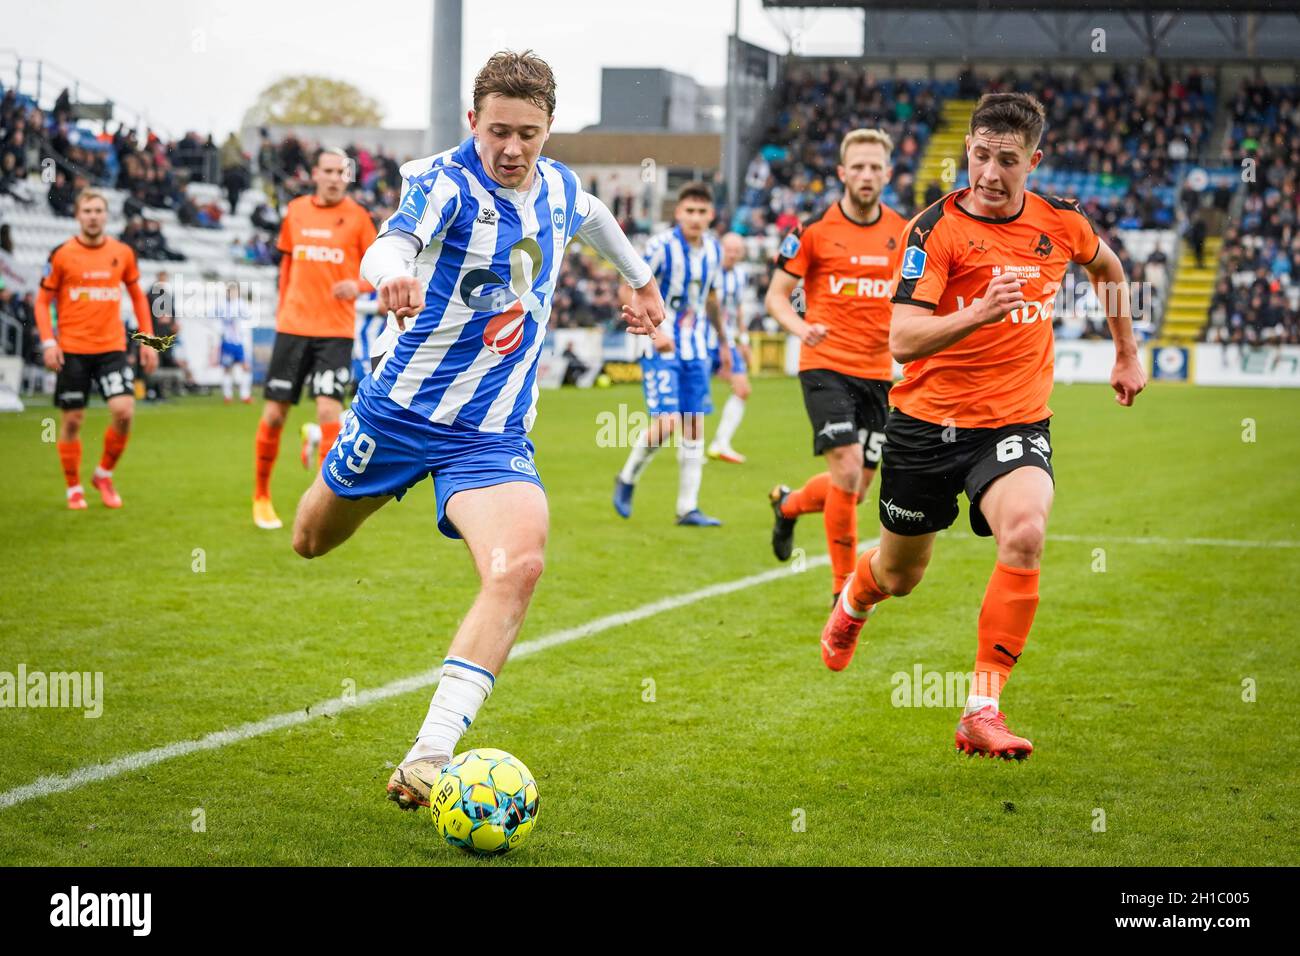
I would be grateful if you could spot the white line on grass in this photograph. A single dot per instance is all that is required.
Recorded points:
(1174, 542)
(61, 783)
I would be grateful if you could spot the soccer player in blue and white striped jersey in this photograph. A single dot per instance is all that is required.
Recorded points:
(731, 294)
(467, 266)
(370, 325)
(235, 318)
(675, 369)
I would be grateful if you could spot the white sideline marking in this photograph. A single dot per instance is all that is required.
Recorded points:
(61, 783)
(47, 785)
(1174, 542)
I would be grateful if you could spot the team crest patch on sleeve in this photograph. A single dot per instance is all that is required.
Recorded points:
(790, 246)
(913, 263)
(415, 203)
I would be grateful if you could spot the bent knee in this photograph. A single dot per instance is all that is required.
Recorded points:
(1023, 537)
(307, 542)
(516, 574)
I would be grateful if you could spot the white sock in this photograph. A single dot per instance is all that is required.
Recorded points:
(227, 390)
(312, 432)
(101, 473)
(690, 468)
(974, 702)
(849, 609)
(732, 413)
(76, 490)
(245, 384)
(640, 456)
(462, 688)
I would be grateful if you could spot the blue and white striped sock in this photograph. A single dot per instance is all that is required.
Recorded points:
(462, 688)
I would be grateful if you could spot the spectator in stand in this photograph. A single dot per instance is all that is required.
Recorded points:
(235, 174)
(62, 194)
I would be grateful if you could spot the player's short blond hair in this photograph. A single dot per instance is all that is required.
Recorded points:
(88, 194)
(855, 136)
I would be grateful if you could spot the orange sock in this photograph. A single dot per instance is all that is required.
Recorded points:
(809, 499)
(841, 520)
(267, 447)
(328, 432)
(114, 445)
(1005, 620)
(70, 457)
(865, 591)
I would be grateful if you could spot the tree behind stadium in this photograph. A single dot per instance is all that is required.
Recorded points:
(309, 100)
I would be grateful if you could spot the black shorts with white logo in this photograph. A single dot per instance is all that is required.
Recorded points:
(325, 364)
(928, 465)
(844, 410)
(110, 372)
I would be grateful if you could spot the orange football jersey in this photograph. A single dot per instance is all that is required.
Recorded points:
(325, 245)
(1000, 374)
(86, 283)
(847, 269)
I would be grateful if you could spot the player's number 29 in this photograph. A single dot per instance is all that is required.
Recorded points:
(362, 445)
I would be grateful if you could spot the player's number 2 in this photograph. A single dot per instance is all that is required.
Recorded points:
(362, 444)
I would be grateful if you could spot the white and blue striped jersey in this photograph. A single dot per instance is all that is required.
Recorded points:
(235, 317)
(685, 276)
(731, 293)
(489, 260)
(370, 325)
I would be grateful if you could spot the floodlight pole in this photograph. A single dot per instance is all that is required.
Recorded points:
(444, 80)
(731, 144)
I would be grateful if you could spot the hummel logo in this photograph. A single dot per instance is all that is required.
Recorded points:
(487, 216)
(1014, 657)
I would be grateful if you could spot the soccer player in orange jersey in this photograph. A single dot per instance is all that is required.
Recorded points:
(322, 240)
(846, 257)
(83, 281)
(973, 322)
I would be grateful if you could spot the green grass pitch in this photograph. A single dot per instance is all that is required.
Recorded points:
(1135, 687)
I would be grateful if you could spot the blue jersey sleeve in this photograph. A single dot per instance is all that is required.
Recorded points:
(429, 205)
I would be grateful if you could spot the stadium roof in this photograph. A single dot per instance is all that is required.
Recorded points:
(1008, 6)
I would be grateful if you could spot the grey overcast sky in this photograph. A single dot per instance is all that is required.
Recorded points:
(199, 65)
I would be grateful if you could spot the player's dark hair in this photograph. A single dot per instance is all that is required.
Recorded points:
(1010, 113)
(520, 76)
(695, 190)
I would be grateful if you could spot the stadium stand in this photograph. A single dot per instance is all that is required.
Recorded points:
(1120, 140)
(1256, 295)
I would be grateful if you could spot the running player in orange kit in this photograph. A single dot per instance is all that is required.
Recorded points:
(322, 240)
(84, 280)
(846, 257)
(973, 323)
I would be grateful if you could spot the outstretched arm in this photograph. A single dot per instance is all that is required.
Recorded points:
(389, 266)
(1106, 273)
(643, 307)
(144, 319)
(779, 307)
